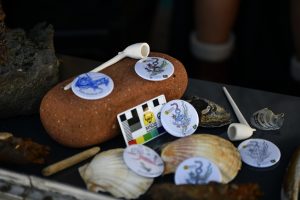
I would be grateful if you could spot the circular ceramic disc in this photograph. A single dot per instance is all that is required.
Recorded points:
(197, 170)
(92, 85)
(179, 118)
(154, 68)
(143, 160)
(259, 153)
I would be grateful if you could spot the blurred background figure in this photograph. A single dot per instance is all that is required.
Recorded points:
(213, 40)
(254, 44)
(295, 22)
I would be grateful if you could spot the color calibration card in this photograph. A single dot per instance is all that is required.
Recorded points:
(142, 123)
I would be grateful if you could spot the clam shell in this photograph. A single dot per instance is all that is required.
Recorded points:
(210, 113)
(216, 149)
(265, 119)
(107, 172)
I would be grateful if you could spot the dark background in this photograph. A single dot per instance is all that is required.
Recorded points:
(98, 29)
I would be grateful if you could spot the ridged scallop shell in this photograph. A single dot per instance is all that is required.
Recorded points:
(265, 119)
(107, 172)
(216, 149)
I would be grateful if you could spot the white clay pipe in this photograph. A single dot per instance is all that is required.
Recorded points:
(238, 131)
(235, 108)
(136, 51)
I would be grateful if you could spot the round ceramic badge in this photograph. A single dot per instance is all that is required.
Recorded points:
(143, 160)
(154, 68)
(197, 170)
(92, 85)
(179, 118)
(259, 153)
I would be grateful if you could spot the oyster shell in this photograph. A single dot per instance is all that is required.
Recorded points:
(210, 113)
(265, 119)
(107, 172)
(216, 149)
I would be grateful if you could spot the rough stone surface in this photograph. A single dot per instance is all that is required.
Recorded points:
(30, 70)
(77, 122)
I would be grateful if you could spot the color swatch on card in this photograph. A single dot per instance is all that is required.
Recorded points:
(142, 123)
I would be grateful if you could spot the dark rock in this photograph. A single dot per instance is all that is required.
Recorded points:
(30, 70)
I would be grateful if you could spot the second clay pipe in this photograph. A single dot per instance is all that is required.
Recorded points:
(238, 131)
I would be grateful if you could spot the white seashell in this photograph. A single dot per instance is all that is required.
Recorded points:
(265, 119)
(107, 172)
(216, 149)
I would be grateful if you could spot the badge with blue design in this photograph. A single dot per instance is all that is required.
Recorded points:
(154, 68)
(197, 170)
(179, 118)
(259, 153)
(92, 85)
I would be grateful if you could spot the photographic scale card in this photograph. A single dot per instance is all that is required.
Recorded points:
(142, 123)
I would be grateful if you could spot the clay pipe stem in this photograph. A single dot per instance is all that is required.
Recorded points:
(135, 51)
(108, 63)
(235, 108)
(68, 162)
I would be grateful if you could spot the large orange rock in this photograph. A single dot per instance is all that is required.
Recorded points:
(77, 122)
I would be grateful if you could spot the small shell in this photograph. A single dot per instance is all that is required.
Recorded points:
(107, 172)
(210, 113)
(216, 149)
(265, 119)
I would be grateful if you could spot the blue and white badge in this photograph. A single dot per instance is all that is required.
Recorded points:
(197, 170)
(179, 118)
(143, 160)
(259, 153)
(92, 85)
(154, 68)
